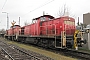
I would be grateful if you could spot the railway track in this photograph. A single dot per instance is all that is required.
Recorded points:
(2, 56)
(15, 53)
(69, 52)
(72, 53)
(77, 54)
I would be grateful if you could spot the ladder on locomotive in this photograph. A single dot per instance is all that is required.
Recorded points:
(62, 41)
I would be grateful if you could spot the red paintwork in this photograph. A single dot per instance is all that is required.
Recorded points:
(50, 26)
(27, 30)
(15, 30)
(9, 32)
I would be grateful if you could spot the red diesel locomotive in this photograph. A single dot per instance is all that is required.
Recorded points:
(46, 31)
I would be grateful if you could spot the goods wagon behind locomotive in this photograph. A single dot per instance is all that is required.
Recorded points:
(48, 31)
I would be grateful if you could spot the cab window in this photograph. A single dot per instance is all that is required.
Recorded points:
(43, 18)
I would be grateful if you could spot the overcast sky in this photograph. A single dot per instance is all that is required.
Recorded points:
(29, 9)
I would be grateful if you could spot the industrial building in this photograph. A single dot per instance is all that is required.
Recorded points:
(86, 20)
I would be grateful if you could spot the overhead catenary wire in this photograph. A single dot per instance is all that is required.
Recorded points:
(3, 5)
(1, 11)
(39, 7)
(45, 3)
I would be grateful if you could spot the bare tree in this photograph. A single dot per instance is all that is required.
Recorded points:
(2, 31)
(65, 11)
(62, 11)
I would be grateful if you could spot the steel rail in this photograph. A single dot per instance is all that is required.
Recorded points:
(35, 57)
(7, 54)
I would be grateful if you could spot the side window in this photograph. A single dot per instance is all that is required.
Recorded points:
(64, 22)
(69, 22)
(73, 23)
(50, 19)
(43, 18)
(34, 21)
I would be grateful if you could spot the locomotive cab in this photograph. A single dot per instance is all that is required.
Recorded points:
(44, 18)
